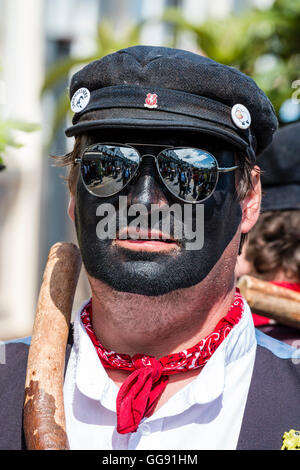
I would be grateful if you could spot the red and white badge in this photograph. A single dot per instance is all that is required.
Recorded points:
(151, 101)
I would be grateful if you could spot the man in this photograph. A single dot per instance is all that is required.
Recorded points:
(182, 183)
(272, 251)
(165, 354)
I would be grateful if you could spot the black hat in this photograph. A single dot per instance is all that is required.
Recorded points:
(280, 163)
(159, 87)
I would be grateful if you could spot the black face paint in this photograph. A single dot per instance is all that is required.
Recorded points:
(156, 273)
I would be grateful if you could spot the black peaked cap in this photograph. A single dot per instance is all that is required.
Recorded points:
(189, 91)
(280, 164)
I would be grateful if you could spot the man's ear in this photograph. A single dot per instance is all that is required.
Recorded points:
(71, 207)
(251, 203)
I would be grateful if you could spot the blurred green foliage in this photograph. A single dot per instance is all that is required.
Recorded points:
(7, 133)
(264, 44)
(106, 41)
(7, 137)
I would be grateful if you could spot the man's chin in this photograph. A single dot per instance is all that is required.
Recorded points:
(138, 279)
(143, 272)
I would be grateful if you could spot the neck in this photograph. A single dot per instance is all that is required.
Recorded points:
(158, 326)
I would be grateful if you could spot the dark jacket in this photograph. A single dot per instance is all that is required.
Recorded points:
(272, 406)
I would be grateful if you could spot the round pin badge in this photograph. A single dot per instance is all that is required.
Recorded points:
(241, 116)
(80, 99)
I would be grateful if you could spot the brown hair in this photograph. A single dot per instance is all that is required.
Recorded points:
(274, 244)
(69, 161)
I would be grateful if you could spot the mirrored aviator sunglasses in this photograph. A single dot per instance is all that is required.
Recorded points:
(190, 174)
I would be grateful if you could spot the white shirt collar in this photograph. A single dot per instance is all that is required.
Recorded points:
(239, 342)
(91, 377)
(93, 381)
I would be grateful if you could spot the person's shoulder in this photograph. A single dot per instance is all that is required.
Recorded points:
(13, 354)
(278, 364)
(272, 406)
(13, 362)
(277, 348)
(13, 365)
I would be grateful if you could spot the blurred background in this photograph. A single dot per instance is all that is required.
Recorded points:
(42, 43)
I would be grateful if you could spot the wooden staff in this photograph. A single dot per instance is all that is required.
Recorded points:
(272, 301)
(44, 417)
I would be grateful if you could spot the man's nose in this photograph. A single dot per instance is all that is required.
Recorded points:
(146, 187)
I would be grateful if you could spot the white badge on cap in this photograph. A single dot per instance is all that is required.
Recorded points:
(241, 116)
(80, 99)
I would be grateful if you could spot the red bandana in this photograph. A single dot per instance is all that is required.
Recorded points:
(141, 390)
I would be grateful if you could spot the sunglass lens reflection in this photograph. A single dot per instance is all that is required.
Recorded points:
(190, 174)
(106, 169)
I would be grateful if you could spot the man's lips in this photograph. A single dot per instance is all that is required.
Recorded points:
(151, 240)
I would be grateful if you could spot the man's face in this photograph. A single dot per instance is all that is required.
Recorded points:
(156, 267)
